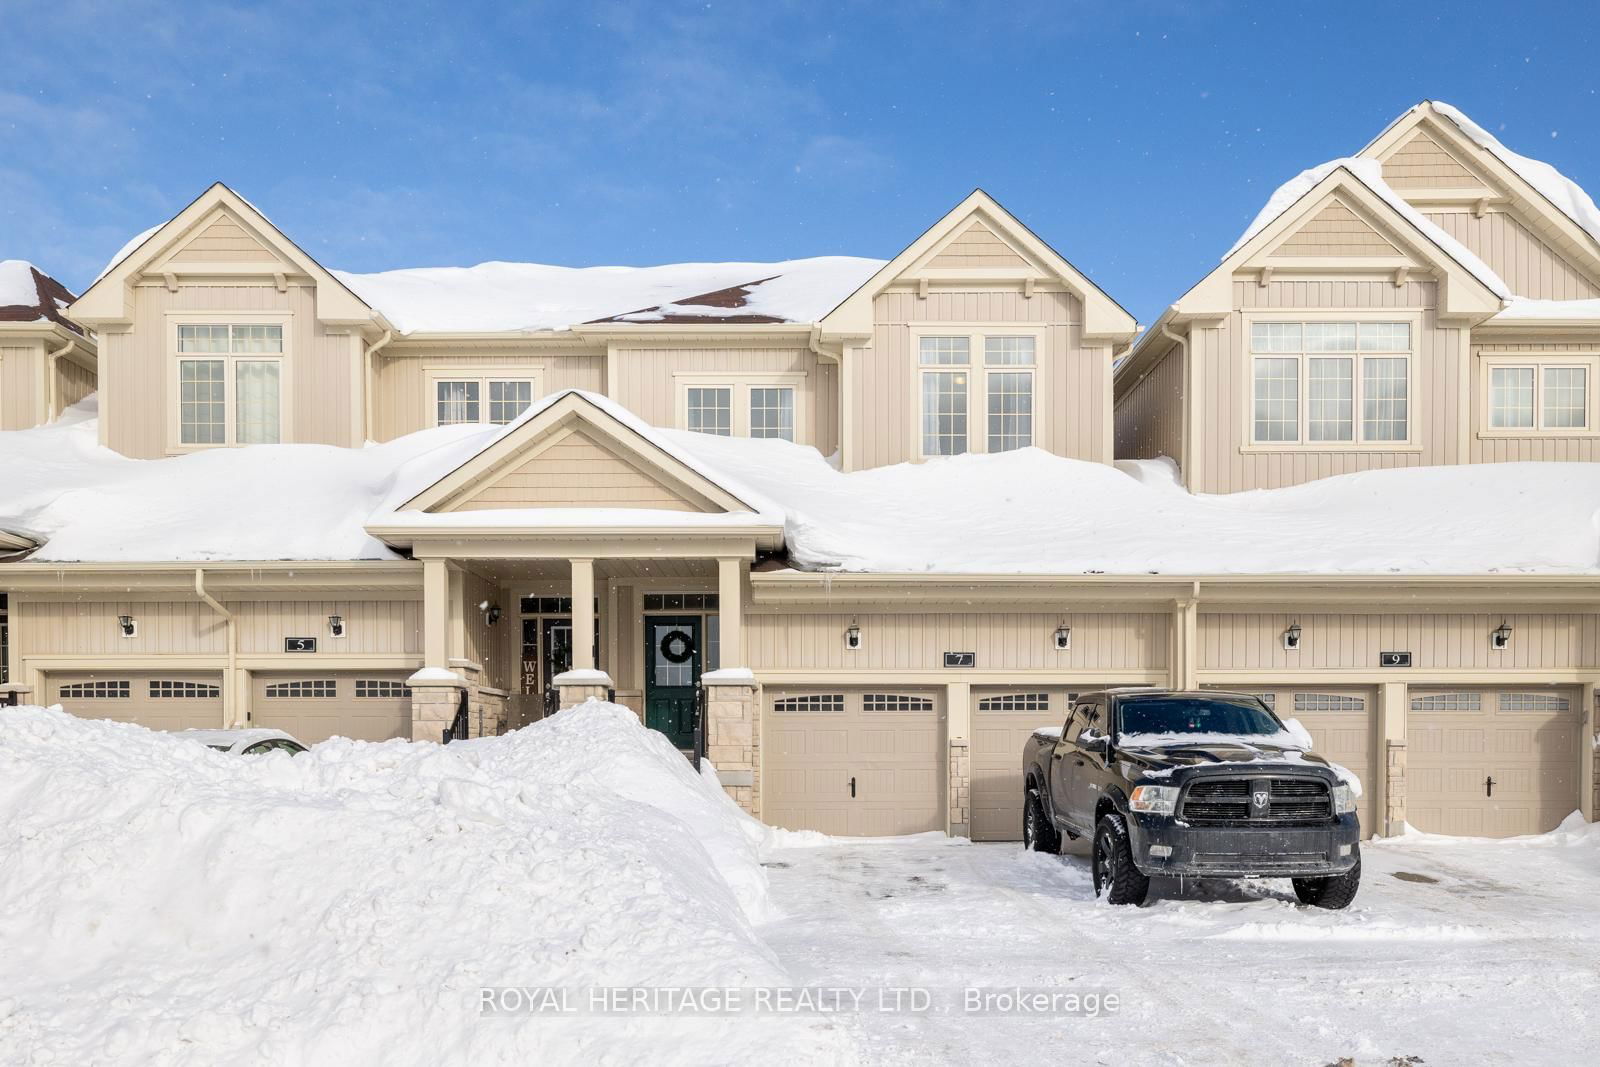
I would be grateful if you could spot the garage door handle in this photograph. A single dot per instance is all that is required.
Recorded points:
(852, 788)
(1488, 787)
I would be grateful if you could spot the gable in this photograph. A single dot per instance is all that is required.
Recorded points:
(977, 246)
(1335, 230)
(574, 470)
(222, 238)
(1423, 163)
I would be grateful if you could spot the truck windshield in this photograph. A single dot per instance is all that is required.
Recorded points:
(1194, 715)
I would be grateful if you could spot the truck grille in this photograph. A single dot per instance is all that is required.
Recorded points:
(1226, 802)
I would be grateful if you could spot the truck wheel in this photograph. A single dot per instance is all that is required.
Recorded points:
(1336, 892)
(1116, 879)
(1037, 833)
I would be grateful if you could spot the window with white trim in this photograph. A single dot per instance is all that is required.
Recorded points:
(472, 400)
(1539, 397)
(765, 405)
(952, 386)
(230, 379)
(1316, 383)
(710, 409)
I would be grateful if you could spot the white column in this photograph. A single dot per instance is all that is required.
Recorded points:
(730, 610)
(583, 615)
(435, 613)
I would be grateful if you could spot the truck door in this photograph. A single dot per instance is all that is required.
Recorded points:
(1083, 772)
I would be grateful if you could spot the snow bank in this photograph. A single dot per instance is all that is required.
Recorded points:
(536, 296)
(17, 287)
(163, 901)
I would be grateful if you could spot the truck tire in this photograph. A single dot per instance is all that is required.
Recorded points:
(1336, 892)
(1037, 833)
(1116, 879)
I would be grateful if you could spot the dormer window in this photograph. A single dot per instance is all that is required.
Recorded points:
(743, 404)
(229, 384)
(953, 383)
(1330, 385)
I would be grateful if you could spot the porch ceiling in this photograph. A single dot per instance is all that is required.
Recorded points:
(554, 570)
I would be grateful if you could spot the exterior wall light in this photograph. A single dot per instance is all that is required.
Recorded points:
(1063, 638)
(128, 626)
(1291, 638)
(491, 612)
(852, 636)
(1500, 637)
(336, 625)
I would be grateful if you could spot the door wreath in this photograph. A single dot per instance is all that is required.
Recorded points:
(677, 647)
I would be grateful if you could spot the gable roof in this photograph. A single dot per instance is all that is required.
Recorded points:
(1104, 320)
(28, 294)
(108, 298)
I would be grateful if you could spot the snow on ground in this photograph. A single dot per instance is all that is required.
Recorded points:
(536, 296)
(161, 903)
(1455, 951)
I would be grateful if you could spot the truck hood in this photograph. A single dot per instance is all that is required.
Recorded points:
(1179, 755)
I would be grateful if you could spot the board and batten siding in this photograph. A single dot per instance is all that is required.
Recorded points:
(1149, 417)
(645, 382)
(73, 382)
(914, 641)
(1072, 383)
(20, 393)
(1500, 448)
(402, 395)
(321, 373)
(1254, 641)
(1226, 462)
(1529, 266)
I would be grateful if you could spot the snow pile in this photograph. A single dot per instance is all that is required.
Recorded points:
(536, 296)
(17, 287)
(161, 900)
(1032, 512)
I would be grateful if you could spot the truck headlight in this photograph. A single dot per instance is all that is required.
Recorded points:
(1154, 799)
(1344, 799)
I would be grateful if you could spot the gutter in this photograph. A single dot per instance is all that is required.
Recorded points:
(1187, 421)
(53, 394)
(228, 687)
(368, 375)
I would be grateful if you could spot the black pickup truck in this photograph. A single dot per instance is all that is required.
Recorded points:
(1202, 784)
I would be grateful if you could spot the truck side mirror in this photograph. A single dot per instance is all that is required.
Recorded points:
(1096, 744)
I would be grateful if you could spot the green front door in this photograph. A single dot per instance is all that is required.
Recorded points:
(672, 659)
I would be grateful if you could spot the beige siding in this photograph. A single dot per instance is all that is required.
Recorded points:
(1436, 641)
(481, 644)
(1222, 463)
(917, 642)
(320, 366)
(977, 246)
(575, 472)
(1546, 447)
(73, 382)
(371, 627)
(401, 397)
(223, 241)
(1335, 231)
(1150, 417)
(19, 385)
(1422, 163)
(644, 383)
(1531, 267)
(1072, 386)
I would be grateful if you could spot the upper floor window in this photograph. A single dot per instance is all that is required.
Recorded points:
(1001, 388)
(763, 406)
(1330, 382)
(473, 399)
(230, 378)
(1542, 397)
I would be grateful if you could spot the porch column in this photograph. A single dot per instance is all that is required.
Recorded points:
(583, 615)
(730, 610)
(435, 613)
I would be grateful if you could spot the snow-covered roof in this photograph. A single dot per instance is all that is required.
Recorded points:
(504, 297)
(1019, 512)
(28, 294)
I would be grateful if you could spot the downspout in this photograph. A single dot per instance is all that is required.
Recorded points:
(54, 394)
(229, 694)
(1188, 400)
(369, 372)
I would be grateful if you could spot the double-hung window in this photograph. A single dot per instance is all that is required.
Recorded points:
(1330, 383)
(954, 382)
(230, 384)
(468, 397)
(760, 405)
(1545, 397)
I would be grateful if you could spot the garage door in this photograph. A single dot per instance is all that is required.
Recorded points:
(160, 701)
(371, 706)
(856, 762)
(1002, 722)
(1491, 763)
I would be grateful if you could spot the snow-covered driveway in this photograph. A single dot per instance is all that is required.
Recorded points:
(1453, 953)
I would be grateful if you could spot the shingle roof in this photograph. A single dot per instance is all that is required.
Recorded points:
(27, 294)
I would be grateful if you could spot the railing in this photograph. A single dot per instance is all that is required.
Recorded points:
(457, 730)
(699, 725)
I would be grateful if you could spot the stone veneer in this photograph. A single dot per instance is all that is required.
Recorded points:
(960, 788)
(1394, 792)
(433, 708)
(733, 740)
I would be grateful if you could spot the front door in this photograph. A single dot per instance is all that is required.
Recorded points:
(555, 647)
(673, 660)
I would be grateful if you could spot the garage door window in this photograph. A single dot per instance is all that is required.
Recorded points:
(895, 702)
(320, 687)
(810, 704)
(1016, 702)
(1448, 702)
(377, 688)
(1327, 702)
(1533, 702)
(97, 691)
(161, 689)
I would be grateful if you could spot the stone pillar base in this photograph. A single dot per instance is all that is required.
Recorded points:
(1394, 793)
(575, 687)
(733, 734)
(960, 820)
(435, 696)
(14, 693)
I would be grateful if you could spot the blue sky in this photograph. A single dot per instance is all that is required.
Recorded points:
(1137, 137)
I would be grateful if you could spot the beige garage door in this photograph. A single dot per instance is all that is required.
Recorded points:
(370, 706)
(1491, 763)
(862, 763)
(1002, 722)
(1343, 727)
(160, 701)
